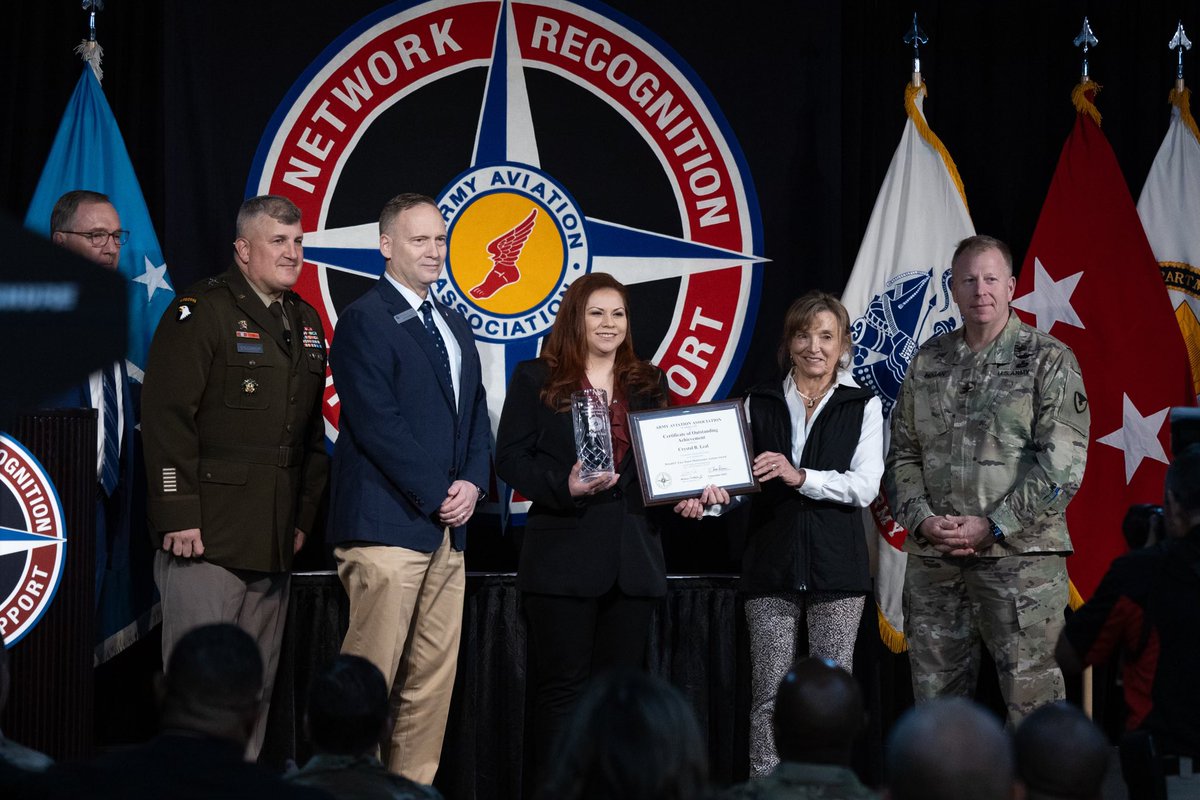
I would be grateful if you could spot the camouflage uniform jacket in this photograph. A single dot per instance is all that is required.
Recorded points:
(802, 782)
(1002, 433)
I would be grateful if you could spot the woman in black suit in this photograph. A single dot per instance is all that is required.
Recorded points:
(591, 566)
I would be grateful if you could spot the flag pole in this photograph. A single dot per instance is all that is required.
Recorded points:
(1086, 86)
(89, 49)
(1086, 40)
(916, 37)
(1179, 42)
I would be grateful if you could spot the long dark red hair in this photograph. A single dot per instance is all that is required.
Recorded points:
(565, 349)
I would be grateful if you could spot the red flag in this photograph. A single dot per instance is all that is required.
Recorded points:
(1090, 279)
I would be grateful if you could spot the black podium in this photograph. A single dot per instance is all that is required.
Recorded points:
(51, 699)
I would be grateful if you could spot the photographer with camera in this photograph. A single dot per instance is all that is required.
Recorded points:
(1147, 606)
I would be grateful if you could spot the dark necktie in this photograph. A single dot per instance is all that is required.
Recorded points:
(276, 310)
(109, 466)
(438, 341)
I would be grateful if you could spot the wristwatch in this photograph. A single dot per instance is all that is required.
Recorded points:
(997, 534)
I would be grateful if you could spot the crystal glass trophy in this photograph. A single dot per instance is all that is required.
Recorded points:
(593, 434)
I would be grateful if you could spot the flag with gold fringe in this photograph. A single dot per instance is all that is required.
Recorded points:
(1170, 212)
(1088, 266)
(898, 296)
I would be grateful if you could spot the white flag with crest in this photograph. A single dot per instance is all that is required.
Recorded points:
(898, 296)
(1170, 211)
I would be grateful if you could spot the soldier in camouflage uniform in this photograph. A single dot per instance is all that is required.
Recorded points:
(989, 440)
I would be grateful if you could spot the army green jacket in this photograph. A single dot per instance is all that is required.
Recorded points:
(231, 423)
(1002, 433)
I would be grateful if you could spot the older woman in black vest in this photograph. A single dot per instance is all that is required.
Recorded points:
(820, 442)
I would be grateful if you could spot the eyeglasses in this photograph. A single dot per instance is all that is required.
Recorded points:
(98, 238)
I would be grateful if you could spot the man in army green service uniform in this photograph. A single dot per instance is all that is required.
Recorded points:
(234, 438)
(989, 440)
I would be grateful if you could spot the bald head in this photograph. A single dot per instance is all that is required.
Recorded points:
(818, 713)
(1061, 754)
(949, 749)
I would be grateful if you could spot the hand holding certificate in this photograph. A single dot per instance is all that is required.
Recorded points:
(681, 450)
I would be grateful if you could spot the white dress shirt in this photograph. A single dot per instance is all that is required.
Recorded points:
(858, 485)
(452, 348)
(96, 386)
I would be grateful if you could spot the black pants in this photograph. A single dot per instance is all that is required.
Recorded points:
(572, 639)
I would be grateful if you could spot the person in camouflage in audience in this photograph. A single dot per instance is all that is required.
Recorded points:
(989, 442)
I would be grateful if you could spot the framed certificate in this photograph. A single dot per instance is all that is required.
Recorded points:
(681, 450)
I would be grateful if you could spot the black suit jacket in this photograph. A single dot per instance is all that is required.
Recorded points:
(582, 546)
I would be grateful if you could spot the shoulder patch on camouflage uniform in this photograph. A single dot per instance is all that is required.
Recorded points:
(1074, 410)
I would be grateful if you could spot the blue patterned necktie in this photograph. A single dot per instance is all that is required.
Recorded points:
(112, 447)
(438, 341)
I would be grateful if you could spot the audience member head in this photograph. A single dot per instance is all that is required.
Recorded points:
(818, 713)
(1181, 506)
(949, 749)
(1142, 525)
(347, 707)
(1061, 754)
(632, 737)
(87, 224)
(213, 683)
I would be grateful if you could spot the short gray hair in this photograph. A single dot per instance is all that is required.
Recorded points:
(275, 206)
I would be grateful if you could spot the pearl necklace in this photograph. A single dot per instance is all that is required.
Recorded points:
(810, 402)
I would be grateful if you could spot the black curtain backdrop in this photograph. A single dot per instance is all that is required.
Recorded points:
(813, 92)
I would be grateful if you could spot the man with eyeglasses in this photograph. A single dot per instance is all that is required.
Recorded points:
(87, 224)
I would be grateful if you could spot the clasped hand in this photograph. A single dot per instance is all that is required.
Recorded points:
(957, 535)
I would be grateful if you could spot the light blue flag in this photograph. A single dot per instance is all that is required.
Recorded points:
(89, 153)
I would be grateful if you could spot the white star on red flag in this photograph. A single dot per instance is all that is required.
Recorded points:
(1137, 436)
(1050, 300)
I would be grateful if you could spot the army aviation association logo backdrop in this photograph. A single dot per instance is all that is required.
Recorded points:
(474, 97)
(32, 541)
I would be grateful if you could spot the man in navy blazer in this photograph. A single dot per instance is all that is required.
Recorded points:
(87, 224)
(411, 455)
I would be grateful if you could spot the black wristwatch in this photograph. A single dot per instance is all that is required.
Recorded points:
(997, 534)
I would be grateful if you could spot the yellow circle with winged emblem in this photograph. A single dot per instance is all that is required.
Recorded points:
(506, 253)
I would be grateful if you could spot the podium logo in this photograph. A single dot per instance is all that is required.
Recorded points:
(32, 541)
(558, 138)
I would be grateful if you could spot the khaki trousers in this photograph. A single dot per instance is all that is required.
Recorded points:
(406, 612)
(196, 592)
